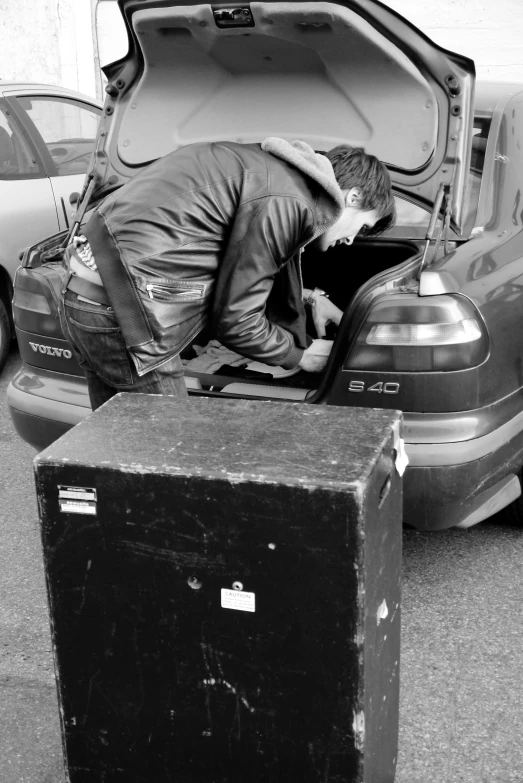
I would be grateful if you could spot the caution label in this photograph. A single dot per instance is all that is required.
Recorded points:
(236, 599)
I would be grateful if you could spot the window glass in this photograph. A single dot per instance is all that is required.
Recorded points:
(412, 215)
(67, 128)
(17, 159)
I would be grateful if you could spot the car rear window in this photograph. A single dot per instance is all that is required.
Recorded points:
(479, 144)
(413, 220)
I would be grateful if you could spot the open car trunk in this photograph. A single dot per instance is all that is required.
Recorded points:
(327, 73)
(343, 272)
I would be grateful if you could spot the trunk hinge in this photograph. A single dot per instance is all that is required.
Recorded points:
(443, 201)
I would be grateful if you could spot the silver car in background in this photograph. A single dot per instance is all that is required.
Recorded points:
(47, 135)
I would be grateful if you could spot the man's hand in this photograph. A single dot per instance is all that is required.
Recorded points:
(315, 357)
(323, 312)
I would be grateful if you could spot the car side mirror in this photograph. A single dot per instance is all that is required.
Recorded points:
(74, 198)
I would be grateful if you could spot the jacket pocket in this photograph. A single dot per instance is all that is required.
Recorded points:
(173, 307)
(173, 291)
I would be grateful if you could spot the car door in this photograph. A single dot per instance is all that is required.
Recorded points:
(64, 130)
(27, 204)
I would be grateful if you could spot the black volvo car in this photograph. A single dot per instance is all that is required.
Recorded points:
(433, 309)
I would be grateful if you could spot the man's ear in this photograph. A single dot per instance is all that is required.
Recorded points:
(353, 197)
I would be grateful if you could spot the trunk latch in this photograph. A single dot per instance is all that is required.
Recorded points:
(233, 16)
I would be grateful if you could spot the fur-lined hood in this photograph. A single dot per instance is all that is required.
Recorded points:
(317, 167)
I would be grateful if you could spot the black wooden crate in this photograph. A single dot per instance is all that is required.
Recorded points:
(224, 588)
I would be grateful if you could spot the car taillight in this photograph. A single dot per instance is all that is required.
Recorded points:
(34, 309)
(411, 333)
(27, 300)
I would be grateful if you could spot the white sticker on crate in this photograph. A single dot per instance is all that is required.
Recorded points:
(237, 599)
(77, 500)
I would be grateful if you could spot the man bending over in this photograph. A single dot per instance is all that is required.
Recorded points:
(211, 236)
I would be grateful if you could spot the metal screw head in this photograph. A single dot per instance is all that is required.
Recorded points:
(237, 586)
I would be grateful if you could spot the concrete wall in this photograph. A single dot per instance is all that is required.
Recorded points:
(111, 32)
(49, 41)
(488, 31)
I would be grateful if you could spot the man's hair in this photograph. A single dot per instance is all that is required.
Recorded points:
(355, 168)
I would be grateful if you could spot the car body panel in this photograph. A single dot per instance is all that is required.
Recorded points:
(333, 73)
(71, 155)
(463, 430)
(34, 429)
(489, 268)
(443, 496)
(46, 394)
(444, 484)
(31, 198)
(17, 229)
(492, 500)
(48, 353)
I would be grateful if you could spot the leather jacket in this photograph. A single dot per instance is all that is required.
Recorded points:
(211, 235)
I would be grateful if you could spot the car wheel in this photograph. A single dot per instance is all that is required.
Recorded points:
(513, 513)
(5, 333)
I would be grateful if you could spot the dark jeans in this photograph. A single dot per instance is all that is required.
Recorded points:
(99, 348)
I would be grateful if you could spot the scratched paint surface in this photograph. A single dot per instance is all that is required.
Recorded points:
(240, 440)
(158, 680)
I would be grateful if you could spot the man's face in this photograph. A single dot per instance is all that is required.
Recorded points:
(349, 224)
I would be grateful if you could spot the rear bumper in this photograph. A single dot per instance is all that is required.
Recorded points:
(36, 430)
(43, 405)
(447, 483)
(463, 467)
(436, 498)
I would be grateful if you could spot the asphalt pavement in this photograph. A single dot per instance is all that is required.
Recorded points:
(461, 710)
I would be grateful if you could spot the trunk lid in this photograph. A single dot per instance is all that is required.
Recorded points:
(326, 72)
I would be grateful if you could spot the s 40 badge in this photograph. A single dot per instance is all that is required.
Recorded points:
(380, 387)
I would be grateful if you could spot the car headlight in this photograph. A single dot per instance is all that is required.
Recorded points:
(411, 333)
